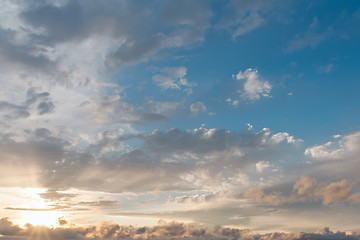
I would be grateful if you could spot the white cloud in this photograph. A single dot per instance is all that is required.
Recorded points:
(197, 108)
(279, 137)
(254, 86)
(262, 166)
(234, 103)
(345, 147)
(173, 78)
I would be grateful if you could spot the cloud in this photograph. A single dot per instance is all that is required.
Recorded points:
(279, 137)
(197, 108)
(186, 160)
(262, 166)
(274, 198)
(12, 111)
(193, 198)
(241, 17)
(335, 192)
(234, 103)
(310, 38)
(162, 230)
(305, 189)
(254, 86)
(345, 147)
(169, 25)
(305, 186)
(173, 78)
(325, 68)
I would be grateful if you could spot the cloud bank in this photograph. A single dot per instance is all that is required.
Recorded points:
(171, 230)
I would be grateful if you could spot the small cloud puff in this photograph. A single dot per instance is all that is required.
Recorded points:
(254, 86)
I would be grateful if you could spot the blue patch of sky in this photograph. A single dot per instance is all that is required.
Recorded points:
(319, 72)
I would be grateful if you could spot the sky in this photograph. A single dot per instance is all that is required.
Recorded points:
(179, 119)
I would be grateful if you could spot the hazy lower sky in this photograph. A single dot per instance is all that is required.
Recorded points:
(177, 114)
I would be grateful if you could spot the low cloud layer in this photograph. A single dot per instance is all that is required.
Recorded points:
(171, 230)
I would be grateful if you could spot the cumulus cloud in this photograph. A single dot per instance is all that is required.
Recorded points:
(335, 192)
(305, 189)
(305, 186)
(283, 136)
(254, 86)
(163, 230)
(273, 198)
(107, 163)
(345, 147)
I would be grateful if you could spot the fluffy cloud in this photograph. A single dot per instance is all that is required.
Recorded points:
(335, 192)
(185, 159)
(254, 86)
(279, 137)
(274, 198)
(305, 189)
(344, 147)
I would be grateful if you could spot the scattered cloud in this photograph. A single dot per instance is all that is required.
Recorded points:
(262, 166)
(310, 38)
(325, 68)
(243, 17)
(197, 108)
(173, 78)
(254, 86)
(234, 103)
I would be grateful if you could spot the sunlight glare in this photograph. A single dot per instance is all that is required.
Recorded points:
(46, 218)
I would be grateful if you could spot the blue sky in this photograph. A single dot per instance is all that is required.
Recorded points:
(180, 115)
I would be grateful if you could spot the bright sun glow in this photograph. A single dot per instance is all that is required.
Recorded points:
(35, 209)
(47, 218)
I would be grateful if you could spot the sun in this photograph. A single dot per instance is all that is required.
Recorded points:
(46, 218)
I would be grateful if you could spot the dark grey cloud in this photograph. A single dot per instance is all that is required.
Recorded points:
(17, 55)
(140, 33)
(202, 140)
(164, 231)
(12, 111)
(62, 167)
